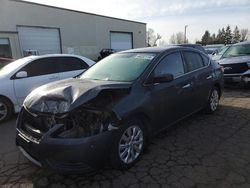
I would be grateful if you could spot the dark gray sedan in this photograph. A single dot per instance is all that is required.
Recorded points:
(112, 109)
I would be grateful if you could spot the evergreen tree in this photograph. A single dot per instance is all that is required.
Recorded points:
(206, 38)
(236, 35)
(220, 39)
(223, 34)
(228, 35)
(213, 39)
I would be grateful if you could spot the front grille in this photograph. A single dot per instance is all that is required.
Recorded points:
(236, 68)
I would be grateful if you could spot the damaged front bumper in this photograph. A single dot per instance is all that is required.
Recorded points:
(64, 154)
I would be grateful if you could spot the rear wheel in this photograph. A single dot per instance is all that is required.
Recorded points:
(5, 109)
(128, 145)
(213, 101)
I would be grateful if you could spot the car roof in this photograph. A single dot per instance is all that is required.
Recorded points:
(151, 49)
(85, 59)
(189, 45)
(196, 46)
(160, 49)
(53, 55)
(240, 43)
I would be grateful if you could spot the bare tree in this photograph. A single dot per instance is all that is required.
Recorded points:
(244, 34)
(162, 43)
(152, 38)
(172, 39)
(179, 37)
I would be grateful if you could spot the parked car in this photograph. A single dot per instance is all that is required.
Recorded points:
(236, 63)
(115, 106)
(4, 61)
(105, 53)
(20, 77)
(212, 49)
(217, 56)
(196, 46)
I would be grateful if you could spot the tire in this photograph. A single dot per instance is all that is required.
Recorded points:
(128, 148)
(213, 101)
(5, 110)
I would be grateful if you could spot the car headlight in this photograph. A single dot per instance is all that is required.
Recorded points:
(52, 106)
(85, 123)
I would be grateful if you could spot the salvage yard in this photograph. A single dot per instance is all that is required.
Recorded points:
(202, 151)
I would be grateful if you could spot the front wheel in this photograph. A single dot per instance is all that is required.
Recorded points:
(5, 109)
(213, 101)
(128, 145)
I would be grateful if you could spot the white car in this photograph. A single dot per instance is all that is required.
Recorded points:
(20, 77)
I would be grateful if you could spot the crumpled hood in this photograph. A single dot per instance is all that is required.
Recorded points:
(75, 91)
(240, 59)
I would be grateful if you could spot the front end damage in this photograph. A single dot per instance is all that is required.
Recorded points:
(67, 142)
(79, 140)
(69, 126)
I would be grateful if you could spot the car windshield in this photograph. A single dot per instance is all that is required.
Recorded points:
(222, 50)
(124, 67)
(238, 50)
(14, 65)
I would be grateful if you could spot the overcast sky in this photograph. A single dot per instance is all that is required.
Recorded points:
(167, 17)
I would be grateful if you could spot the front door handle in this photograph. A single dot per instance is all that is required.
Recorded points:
(209, 77)
(186, 86)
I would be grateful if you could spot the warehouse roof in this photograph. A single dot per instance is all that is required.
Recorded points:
(60, 8)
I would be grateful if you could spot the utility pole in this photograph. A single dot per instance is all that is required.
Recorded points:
(185, 34)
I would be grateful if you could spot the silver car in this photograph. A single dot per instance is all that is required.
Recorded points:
(236, 63)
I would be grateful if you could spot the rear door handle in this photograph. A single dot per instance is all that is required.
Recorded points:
(186, 86)
(209, 77)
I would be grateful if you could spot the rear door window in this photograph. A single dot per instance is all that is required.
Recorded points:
(71, 64)
(193, 60)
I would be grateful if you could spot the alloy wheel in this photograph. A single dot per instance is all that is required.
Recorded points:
(214, 100)
(131, 144)
(3, 111)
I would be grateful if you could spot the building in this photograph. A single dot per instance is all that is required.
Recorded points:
(27, 27)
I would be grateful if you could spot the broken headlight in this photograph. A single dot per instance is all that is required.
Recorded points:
(85, 123)
(52, 106)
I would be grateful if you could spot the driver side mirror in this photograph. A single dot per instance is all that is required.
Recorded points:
(162, 78)
(21, 74)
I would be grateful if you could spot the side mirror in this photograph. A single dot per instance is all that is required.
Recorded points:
(21, 74)
(162, 78)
